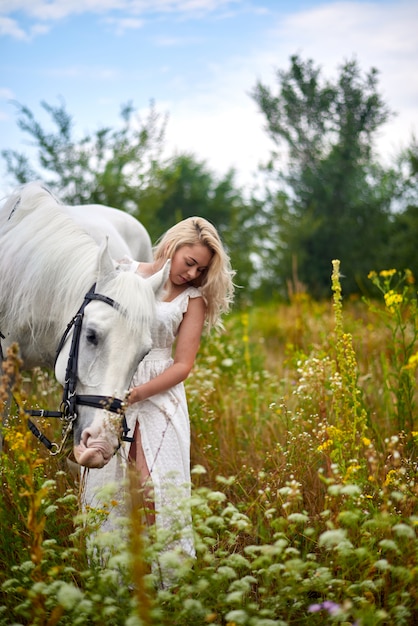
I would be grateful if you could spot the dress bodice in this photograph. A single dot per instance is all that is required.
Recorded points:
(169, 316)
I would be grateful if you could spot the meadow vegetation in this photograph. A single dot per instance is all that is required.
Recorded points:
(304, 469)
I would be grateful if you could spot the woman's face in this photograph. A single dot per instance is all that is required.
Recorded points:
(188, 263)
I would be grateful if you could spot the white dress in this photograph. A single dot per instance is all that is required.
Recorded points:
(165, 434)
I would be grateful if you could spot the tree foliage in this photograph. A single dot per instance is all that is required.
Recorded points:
(111, 166)
(337, 198)
(124, 168)
(404, 251)
(325, 195)
(188, 187)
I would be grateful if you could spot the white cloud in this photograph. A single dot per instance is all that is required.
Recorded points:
(57, 9)
(124, 24)
(223, 120)
(6, 94)
(127, 14)
(10, 27)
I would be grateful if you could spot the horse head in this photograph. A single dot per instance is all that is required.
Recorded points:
(112, 341)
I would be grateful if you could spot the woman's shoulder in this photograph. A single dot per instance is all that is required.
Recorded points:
(190, 293)
(193, 292)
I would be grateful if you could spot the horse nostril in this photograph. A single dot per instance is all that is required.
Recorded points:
(85, 437)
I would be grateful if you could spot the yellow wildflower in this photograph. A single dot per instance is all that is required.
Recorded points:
(412, 362)
(324, 446)
(372, 274)
(352, 469)
(392, 298)
(391, 477)
(16, 442)
(366, 441)
(336, 433)
(387, 273)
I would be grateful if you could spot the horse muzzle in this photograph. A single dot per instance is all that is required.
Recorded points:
(97, 445)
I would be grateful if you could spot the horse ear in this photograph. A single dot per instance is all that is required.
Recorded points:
(159, 279)
(105, 265)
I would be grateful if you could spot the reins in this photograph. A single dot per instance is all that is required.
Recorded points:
(70, 399)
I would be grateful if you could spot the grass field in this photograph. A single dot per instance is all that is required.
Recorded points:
(304, 441)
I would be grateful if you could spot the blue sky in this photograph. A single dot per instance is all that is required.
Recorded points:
(197, 60)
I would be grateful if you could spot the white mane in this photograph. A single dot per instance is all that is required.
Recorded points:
(51, 263)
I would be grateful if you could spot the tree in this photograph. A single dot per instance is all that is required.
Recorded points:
(109, 166)
(187, 187)
(404, 252)
(333, 199)
(124, 168)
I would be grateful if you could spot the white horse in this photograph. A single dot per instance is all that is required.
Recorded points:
(47, 265)
(127, 236)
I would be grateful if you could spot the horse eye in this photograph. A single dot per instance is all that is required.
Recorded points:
(92, 337)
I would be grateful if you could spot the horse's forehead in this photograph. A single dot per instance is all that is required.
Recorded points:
(132, 315)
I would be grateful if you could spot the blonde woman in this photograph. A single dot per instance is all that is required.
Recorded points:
(198, 292)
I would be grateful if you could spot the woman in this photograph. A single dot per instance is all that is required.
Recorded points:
(198, 292)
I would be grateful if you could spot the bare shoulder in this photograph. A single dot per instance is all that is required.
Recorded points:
(196, 307)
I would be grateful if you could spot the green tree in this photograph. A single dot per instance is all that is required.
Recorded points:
(124, 168)
(334, 199)
(188, 187)
(404, 252)
(110, 166)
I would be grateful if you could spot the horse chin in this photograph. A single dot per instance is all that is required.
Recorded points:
(96, 456)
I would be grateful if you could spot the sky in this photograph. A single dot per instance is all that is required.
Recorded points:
(198, 61)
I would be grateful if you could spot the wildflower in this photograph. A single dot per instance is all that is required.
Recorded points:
(372, 275)
(412, 362)
(332, 538)
(17, 442)
(391, 477)
(392, 298)
(387, 273)
(324, 446)
(352, 469)
(403, 530)
(68, 596)
(366, 441)
(331, 607)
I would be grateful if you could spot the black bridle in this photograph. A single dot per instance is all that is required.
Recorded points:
(70, 399)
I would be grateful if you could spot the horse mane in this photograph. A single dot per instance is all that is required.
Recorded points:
(52, 262)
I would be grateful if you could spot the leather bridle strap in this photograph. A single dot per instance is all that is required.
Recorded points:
(70, 399)
(102, 402)
(1, 349)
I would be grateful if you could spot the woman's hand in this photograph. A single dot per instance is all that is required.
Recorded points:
(187, 345)
(134, 395)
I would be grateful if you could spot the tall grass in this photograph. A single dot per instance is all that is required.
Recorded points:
(304, 500)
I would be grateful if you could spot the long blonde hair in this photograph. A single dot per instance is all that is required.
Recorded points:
(215, 282)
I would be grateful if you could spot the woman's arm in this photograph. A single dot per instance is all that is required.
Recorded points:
(187, 345)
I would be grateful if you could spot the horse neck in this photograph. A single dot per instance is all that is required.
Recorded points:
(54, 264)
